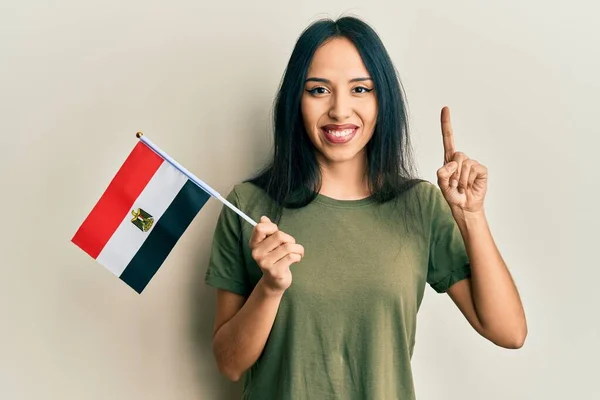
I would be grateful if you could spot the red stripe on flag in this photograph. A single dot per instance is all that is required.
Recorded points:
(117, 200)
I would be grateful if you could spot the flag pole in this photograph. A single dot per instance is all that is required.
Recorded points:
(193, 178)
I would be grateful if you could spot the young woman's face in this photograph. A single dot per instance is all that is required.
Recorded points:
(339, 106)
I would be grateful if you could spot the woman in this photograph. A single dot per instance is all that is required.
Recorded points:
(359, 235)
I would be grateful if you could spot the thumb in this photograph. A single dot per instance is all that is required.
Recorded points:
(447, 170)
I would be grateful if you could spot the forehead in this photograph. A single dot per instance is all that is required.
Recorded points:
(338, 58)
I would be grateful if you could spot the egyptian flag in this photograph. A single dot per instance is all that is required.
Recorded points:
(140, 217)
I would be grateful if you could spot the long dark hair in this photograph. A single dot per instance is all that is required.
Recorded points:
(292, 178)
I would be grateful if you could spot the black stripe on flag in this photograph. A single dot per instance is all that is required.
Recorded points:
(169, 228)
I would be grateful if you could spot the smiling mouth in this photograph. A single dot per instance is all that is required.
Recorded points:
(339, 135)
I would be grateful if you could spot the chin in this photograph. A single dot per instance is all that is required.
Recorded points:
(340, 156)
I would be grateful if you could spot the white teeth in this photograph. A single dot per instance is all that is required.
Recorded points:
(343, 133)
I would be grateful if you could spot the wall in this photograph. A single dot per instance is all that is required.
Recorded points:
(79, 79)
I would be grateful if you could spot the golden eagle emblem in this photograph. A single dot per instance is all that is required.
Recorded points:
(142, 219)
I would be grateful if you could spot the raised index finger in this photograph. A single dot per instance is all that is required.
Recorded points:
(447, 135)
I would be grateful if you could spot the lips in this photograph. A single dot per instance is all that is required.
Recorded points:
(332, 127)
(339, 134)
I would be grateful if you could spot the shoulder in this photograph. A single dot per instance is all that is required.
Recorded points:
(250, 199)
(246, 193)
(426, 199)
(435, 208)
(428, 193)
(426, 189)
(422, 193)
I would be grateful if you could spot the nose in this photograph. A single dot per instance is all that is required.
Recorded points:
(340, 108)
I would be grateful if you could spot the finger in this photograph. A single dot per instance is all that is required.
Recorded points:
(460, 158)
(263, 249)
(480, 176)
(263, 229)
(288, 260)
(275, 240)
(475, 171)
(447, 135)
(464, 175)
(445, 173)
(282, 251)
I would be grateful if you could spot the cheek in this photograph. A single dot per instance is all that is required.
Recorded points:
(369, 115)
(303, 109)
(373, 112)
(310, 112)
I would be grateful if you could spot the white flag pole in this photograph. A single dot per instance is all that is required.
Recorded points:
(193, 178)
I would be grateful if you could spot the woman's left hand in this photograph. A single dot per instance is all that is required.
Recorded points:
(463, 181)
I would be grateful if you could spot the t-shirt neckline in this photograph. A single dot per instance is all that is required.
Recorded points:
(330, 201)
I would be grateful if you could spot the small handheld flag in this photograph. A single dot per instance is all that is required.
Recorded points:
(143, 212)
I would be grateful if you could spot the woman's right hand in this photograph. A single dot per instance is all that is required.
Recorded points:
(274, 251)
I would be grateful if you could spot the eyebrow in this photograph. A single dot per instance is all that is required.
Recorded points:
(329, 82)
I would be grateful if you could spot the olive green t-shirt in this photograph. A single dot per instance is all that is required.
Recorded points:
(345, 328)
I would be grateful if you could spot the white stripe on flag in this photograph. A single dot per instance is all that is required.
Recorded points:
(154, 199)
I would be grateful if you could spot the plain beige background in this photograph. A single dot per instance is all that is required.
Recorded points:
(79, 78)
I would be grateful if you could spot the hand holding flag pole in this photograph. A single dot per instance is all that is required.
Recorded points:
(193, 178)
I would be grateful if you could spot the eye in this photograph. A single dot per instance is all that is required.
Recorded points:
(362, 89)
(317, 90)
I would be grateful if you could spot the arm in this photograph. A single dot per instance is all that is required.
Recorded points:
(489, 299)
(242, 328)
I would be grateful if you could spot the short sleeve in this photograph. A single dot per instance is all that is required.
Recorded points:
(448, 259)
(226, 267)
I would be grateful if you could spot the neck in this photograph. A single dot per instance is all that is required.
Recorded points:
(344, 180)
